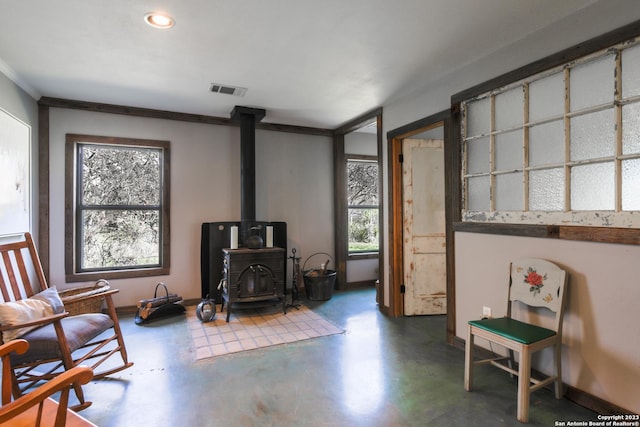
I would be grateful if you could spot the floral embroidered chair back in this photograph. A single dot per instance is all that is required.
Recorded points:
(537, 283)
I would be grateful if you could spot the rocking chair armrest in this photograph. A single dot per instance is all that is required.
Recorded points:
(37, 322)
(78, 374)
(19, 346)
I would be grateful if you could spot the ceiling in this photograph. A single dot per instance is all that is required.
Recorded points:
(308, 63)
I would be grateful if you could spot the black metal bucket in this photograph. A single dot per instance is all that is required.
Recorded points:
(318, 283)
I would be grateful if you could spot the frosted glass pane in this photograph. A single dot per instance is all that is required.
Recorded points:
(546, 190)
(508, 150)
(631, 185)
(631, 128)
(546, 97)
(478, 194)
(631, 72)
(509, 192)
(593, 187)
(546, 143)
(593, 135)
(478, 117)
(478, 155)
(592, 83)
(509, 109)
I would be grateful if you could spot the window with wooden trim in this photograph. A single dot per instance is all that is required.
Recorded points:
(117, 207)
(560, 147)
(363, 204)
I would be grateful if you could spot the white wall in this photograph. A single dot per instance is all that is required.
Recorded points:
(19, 103)
(293, 182)
(362, 270)
(601, 338)
(435, 95)
(362, 143)
(602, 343)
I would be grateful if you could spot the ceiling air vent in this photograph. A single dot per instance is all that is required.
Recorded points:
(228, 90)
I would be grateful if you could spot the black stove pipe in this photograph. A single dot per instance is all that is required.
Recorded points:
(247, 168)
(247, 118)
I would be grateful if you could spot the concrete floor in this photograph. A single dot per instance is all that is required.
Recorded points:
(381, 372)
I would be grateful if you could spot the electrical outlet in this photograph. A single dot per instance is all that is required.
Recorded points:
(486, 312)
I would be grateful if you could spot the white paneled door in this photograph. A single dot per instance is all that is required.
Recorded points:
(425, 272)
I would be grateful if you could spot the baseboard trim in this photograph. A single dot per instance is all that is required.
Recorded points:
(361, 284)
(575, 395)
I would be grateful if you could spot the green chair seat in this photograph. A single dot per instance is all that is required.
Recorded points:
(515, 330)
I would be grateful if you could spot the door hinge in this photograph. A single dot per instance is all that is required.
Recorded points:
(403, 289)
(401, 158)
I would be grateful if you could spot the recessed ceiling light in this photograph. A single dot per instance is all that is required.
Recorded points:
(159, 20)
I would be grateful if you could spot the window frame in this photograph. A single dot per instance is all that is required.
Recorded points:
(72, 210)
(616, 217)
(363, 254)
(615, 235)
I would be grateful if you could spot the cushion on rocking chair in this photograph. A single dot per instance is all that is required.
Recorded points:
(43, 304)
(79, 330)
(18, 312)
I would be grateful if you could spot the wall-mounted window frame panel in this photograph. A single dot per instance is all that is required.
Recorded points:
(117, 207)
(573, 156)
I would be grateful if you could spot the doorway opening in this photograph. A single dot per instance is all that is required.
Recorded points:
(432, 128)
(359, 250)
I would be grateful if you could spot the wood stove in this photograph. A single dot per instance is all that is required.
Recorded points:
(215, 257)
(244, 276)
(253, 277)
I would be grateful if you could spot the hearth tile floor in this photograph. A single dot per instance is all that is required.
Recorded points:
(381, 372)
(255, 328)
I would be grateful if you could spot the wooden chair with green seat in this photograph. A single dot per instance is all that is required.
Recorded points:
(37, 408)
(533, 284)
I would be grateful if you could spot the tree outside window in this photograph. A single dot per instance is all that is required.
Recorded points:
(363, 201)
(120, 206)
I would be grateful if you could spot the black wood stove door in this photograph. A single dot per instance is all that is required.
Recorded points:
(255, 281)
(253, 277)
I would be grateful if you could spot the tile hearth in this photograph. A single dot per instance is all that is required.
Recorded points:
(249, 329)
